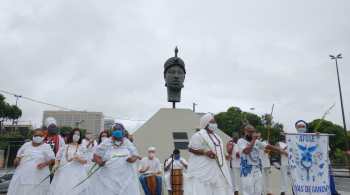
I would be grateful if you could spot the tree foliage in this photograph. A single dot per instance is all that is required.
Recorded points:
(337, 142)
(7, 111)
(233, 120)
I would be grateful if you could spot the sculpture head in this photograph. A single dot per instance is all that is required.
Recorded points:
(174, 75)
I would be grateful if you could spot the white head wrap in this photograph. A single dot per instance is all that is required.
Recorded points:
(151, 149)
(205, 120)
(49, 121)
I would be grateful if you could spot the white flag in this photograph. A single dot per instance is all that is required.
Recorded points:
(308, 163)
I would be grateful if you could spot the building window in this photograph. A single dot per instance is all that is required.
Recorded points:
(180, 135)
(181, 145)
(180, 140)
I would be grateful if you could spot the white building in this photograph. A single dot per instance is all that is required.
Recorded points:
(91, 121)
(108, 123)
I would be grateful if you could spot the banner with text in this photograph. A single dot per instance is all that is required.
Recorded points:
(308, 163)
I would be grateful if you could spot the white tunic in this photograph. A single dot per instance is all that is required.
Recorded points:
(176, 165)
(117, 176)
(207, 176)
(236, 159)
(27, 176)
(70, 173)
(284, 158)
(265, 160)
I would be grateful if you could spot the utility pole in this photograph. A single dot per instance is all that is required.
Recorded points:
(335, 58)
(194, 106)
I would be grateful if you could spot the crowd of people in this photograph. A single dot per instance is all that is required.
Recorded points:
(111, 165)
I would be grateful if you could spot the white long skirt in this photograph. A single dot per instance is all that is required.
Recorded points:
(67, 178)
(17, 188)
(116, 178)
(194, 186)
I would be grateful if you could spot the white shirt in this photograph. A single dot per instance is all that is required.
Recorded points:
(153, 164)
(284, 158)
(177, 163)
(31, 156)
(254, 157)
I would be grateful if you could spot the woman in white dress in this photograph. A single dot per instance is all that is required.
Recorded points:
(69, 166)
(117, 175)
(32, 161)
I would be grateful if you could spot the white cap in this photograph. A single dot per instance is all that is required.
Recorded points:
(152, 148)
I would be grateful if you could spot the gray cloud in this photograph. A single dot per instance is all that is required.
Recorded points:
(108, 56)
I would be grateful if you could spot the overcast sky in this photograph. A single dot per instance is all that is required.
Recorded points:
(108, 56)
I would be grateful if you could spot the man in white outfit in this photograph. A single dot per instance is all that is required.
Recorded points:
(208, 173)
(251, 175)
(234, 162)
(266, 168)
(175, 162)
(284, 166)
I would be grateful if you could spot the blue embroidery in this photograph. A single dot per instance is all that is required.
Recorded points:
(245, 167)
(306, 158)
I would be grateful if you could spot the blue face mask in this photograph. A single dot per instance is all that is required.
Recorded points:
(118, 134)
(177, 157)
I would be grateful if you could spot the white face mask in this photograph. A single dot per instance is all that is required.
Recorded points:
(212, 126)
(301, 130)
(104, 139)
(116, 142)
(38, 139)
(76, 138)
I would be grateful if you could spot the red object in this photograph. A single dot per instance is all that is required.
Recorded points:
(54, 142)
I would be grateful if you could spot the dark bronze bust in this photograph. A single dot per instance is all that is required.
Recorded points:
(174, 75)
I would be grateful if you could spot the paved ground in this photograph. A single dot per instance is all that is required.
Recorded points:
(343, 184)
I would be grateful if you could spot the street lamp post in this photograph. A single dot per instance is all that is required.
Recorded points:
(335, 58)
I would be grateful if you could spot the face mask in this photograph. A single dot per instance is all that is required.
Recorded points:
(213, 126)
(117, 134)
(104, 139)
(301, 130)
(38, 139)
(76, 138)
(116, 142)
(177, 157)
(248, 138)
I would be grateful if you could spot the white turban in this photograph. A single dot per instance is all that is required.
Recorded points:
(205, 120)
(49, 121)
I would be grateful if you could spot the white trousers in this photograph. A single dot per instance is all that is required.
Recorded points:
(266, 180)
(235, 176)
(252, 184)
(284, 179)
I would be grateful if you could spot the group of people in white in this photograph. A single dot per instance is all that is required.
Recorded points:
(111, 165)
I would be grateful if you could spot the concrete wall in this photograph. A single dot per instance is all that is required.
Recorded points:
(158, 131)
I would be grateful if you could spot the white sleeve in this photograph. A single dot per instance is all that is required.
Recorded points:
(61, 142)
(20, 152)
(101, 149)
(49, 155)
(60, 153)
(261, 145)
(131, 147)
(196, 142)
(184, 161)
(168, 161)
(241, 145)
